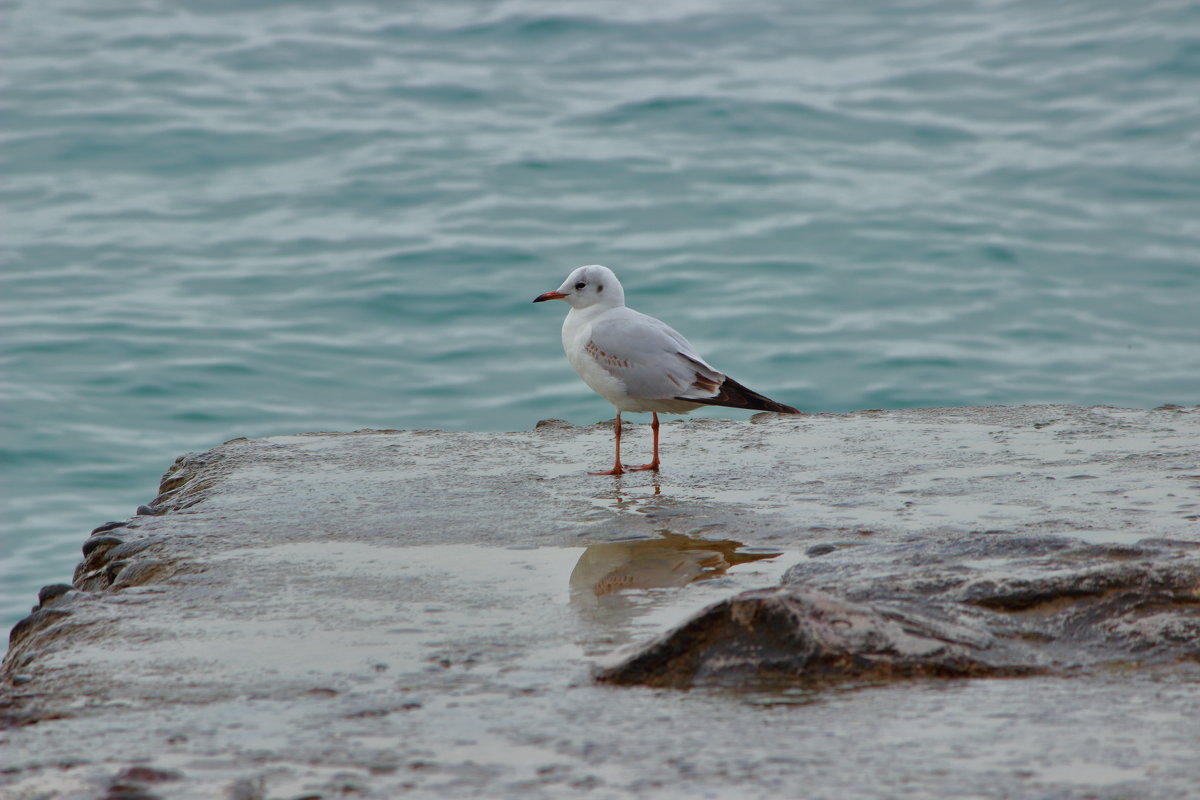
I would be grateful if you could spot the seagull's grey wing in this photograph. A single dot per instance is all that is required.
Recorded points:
(651, 358)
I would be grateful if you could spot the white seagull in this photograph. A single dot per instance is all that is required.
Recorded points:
(636, 362)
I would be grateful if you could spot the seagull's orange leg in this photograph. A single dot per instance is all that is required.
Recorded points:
(654, 463)
(616, 470)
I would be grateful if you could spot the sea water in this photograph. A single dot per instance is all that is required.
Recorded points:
(226, 218)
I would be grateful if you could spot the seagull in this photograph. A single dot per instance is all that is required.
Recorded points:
(639, 363)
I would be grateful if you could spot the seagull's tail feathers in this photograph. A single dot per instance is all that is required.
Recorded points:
(732, 394)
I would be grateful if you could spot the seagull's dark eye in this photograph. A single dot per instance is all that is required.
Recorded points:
(580, 285)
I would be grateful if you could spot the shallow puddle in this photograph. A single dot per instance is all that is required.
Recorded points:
(490, 609)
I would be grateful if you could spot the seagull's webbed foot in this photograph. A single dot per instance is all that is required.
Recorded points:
(617, 469)
(653, 465)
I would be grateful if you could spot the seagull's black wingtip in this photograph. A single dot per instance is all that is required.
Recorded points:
(732, 394)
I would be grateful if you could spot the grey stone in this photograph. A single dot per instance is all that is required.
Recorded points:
(920, 609)
(308, 608)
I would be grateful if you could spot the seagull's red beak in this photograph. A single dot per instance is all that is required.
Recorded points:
(549, 296)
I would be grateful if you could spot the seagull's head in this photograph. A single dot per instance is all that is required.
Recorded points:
(592, 285)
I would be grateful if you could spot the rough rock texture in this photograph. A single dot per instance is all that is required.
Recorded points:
(975, 605)
(769, 637)
(418, 613)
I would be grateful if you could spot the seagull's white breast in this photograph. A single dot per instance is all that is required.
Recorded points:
(576, 333)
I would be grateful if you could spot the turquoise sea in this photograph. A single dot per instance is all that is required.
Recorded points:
(230, 218)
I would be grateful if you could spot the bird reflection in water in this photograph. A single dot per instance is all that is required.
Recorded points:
(606, 574)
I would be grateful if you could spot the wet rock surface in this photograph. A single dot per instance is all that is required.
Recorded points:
(420, 613)
(767, 638)
(957, 606)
